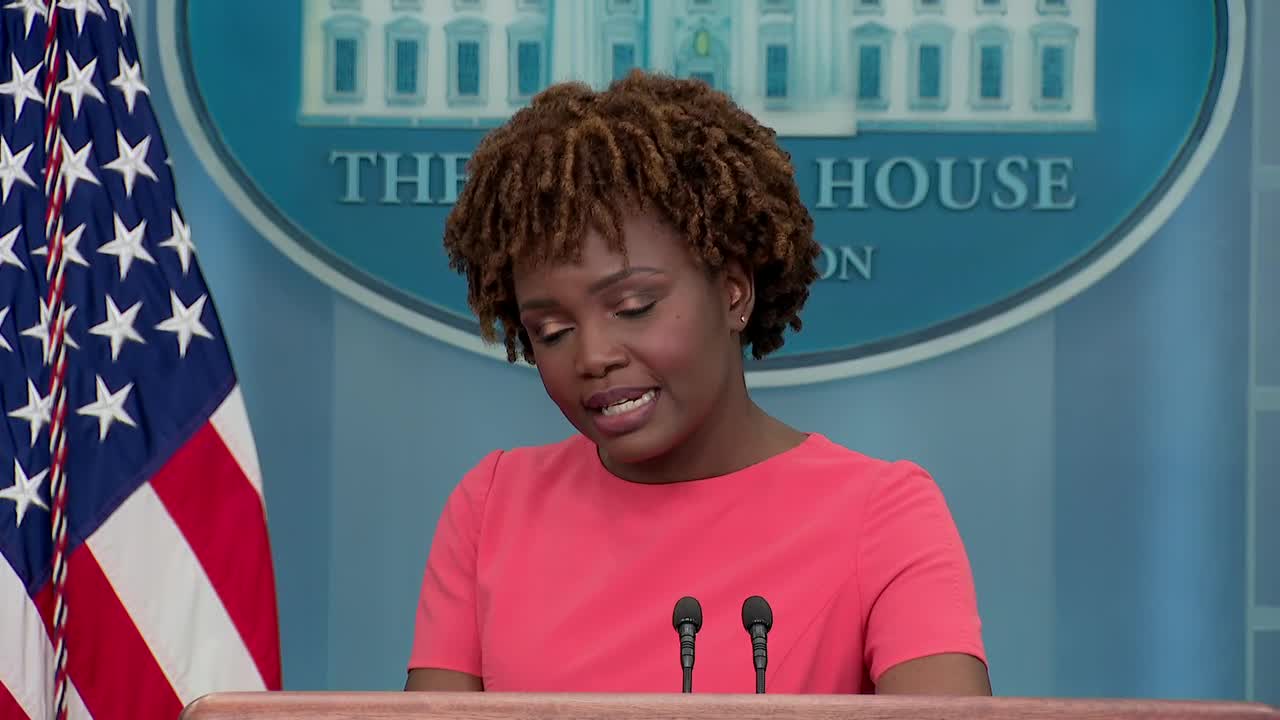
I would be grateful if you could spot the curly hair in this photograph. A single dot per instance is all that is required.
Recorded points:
(576, 156)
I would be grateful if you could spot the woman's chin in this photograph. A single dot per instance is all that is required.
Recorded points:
(633, 448)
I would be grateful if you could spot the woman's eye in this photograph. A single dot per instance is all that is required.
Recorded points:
(637, 311)
(549, 338)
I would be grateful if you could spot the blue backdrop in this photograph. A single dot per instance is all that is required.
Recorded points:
(1096, 458)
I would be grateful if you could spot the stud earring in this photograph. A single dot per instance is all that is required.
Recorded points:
(742, 319)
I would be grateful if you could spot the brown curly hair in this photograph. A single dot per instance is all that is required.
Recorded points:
(576, 156)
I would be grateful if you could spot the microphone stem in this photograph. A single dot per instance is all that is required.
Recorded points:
(688, 680)
(760, 681)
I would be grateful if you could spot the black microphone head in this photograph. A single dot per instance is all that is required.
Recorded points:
(756, 611)
(688, 610)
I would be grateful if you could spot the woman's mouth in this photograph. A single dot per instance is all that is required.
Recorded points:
(626, 406)
(627, 415)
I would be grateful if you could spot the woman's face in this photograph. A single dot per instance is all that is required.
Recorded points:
(636, 352)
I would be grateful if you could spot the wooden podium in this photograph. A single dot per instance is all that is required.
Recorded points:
(532, 706)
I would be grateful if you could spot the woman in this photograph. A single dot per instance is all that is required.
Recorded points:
(632, 244)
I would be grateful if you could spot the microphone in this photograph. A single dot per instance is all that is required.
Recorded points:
(757, 618)
(687, 620)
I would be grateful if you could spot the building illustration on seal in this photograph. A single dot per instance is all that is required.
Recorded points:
(804, 67)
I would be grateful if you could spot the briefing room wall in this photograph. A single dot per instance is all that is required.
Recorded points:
(1093, 457)
(1150, 453)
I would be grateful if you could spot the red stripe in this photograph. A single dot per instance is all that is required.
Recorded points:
(111, 665)
(221, 515)
(44, 606)
(9, 707)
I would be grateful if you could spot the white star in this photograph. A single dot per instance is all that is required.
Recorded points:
(22, 86)
(13, 168)
(127, 246)
(82, 8)
(30, 9)
(4, 312)
(131, 161)
(25, 491)
(79, 82)
(70, 248)
(75, 166)
(7, 256)
(180, 241)
(185, 322)
(129, 81)
(36, 411)
(119, 326)
(122, 11)
(108, 408)
(40, 330)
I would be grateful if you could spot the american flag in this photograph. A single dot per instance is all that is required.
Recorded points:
(136, 573)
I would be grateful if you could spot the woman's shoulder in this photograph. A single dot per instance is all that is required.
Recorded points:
(825, 456)
(864, 479)
(571, 455)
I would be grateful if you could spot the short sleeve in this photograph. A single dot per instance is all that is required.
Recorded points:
(915, 583)
(446, 633)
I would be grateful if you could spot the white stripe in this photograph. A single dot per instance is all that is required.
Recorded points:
(26, 664)
(162, 586)
(231, 422)
(75, 706)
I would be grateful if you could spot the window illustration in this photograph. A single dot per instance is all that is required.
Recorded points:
(775, 71)
(622, 44)
(405, 64)
(989, 71)
(468, 68)
(868, 6)
(871, 43)
(990, 6)
(528, 67)
(344, 61)
(1052, 7)
(929, 77)
(346, 54)
(930, 67)
(869, 73)
(1053, 48)
(1052, 67)
(406, 61)
(776, 59)
(526, 60)
(468, 41)
(624, 59)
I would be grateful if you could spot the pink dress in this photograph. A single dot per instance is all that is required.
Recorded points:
(548, 573)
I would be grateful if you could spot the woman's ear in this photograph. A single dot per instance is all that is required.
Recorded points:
(739, 294)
